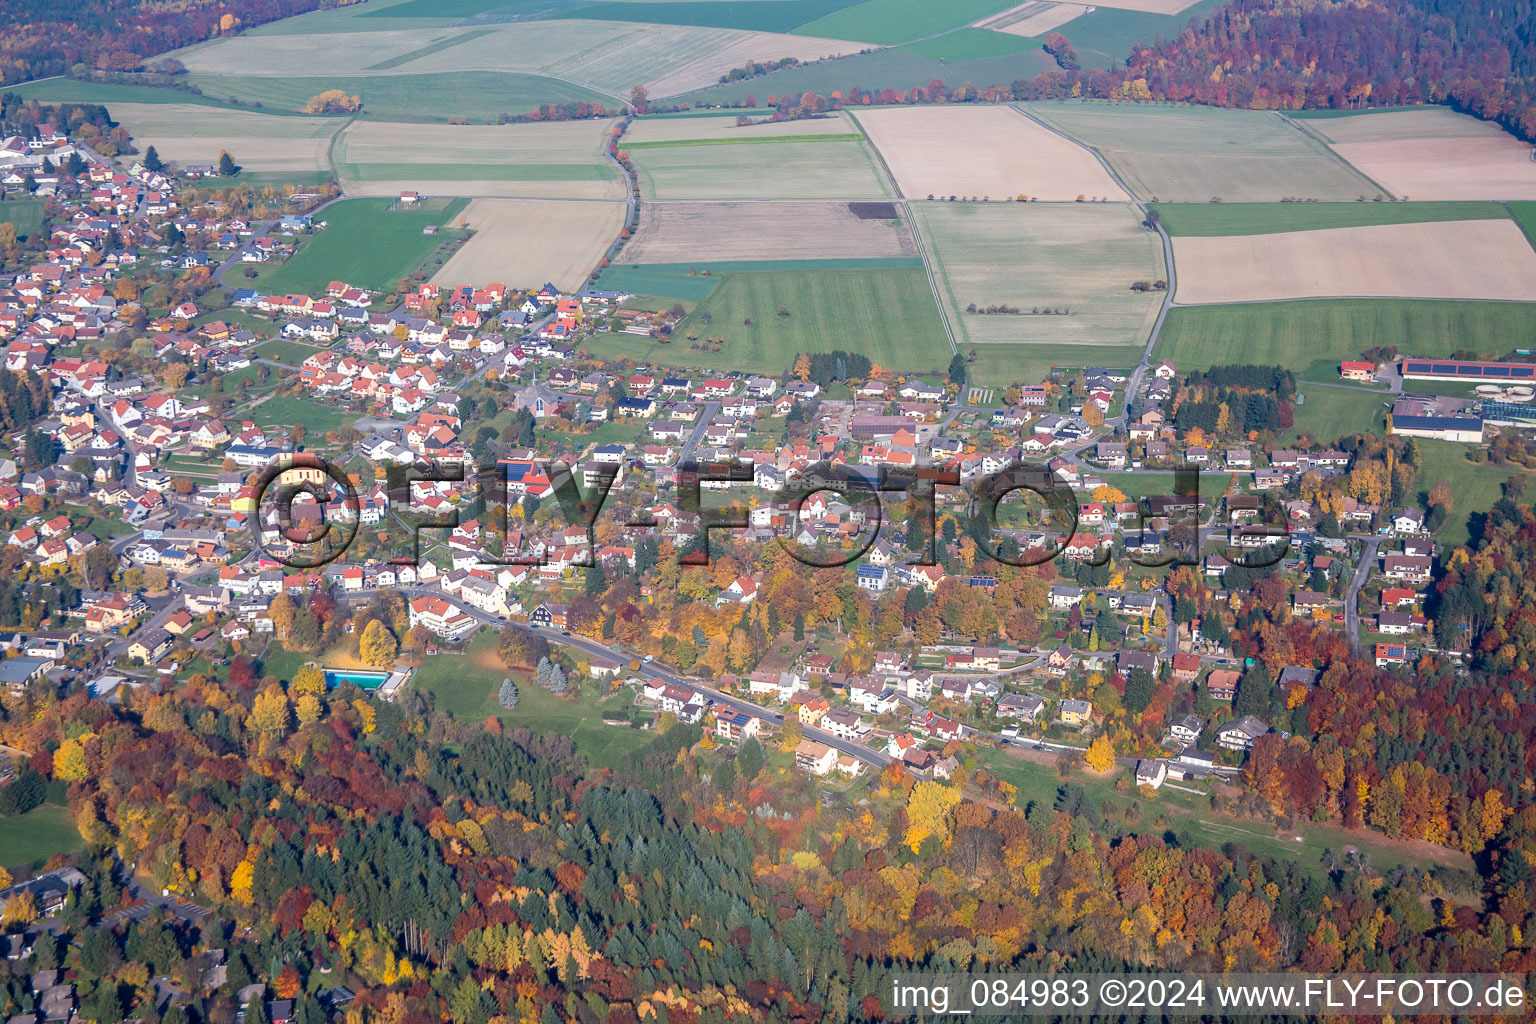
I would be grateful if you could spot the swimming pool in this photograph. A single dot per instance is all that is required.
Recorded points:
(363, 680)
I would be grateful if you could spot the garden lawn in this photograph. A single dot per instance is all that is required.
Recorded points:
(26, 215)
(364, 243)
(281, 350)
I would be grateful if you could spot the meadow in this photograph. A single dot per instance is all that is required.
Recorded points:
(1082, 258)
(1195, 154)
(1475, 485)
(1298, 333)
(363, 243)
(783, 170)
(1210, 219)
(1001, 365)
(887, 313)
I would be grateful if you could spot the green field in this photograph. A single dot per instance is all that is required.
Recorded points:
(364, 243)
(887, 314)
(1212, 219)
(1082, 258)
(1195, 154)
(317, 417)
(28, 840)
(1297, 333)
(971, 44)
(782, 170)
(898, 21)
(426, 97)
(466, 685)
(761, 15)
(1475, 485)
(1525, 215)
(1330, 413)
(26, 215)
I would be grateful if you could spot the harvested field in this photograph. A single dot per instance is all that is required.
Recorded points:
(1031, 19)
(1433, 153)
(1081, 259)
(1196, 154)
(983, 151)
(563, 160)
(195, 134)
(524, 242)
(1478, 259)
(684, 232)
(690, 129)
(779, 170)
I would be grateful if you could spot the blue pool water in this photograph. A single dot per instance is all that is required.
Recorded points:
(362, 680)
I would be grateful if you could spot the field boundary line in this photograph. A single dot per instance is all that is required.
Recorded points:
(1312, 135)
(917, 235)
(1141, 204)
(330, 150)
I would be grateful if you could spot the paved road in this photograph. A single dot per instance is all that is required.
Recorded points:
(1352, 598)
(706, 417)
(653, 670)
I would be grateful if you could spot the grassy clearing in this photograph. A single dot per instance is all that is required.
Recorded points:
(1296, 333)
(887, 314)
(1195, 154)
(1213, 219)
(316, 417)
(746, 140)
(897, 21)
(466, 685)
(28, 840)
(364, 243)
(1081, 258)
(1476, 485)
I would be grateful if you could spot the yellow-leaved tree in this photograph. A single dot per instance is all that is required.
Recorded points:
(1101, 754)
(928, 812)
